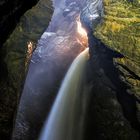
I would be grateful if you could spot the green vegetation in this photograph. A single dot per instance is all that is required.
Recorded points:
(120, 30)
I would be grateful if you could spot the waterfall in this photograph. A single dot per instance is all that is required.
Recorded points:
(60, 43)
(66, 117)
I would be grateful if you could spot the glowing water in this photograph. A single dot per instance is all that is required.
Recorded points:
(65, 120)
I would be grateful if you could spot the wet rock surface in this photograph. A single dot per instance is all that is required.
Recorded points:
(92, 13)
(56, 49)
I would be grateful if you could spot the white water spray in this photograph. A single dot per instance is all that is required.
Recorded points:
(66, 117)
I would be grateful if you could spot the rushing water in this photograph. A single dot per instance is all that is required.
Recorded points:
(65, 120)
(56, 49)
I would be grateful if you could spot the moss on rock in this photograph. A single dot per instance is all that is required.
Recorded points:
(120, 30)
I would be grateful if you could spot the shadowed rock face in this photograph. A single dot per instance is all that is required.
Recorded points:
(30, 28)
(10, 12)
(112, 112)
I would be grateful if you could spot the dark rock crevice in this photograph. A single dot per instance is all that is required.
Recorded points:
(132, 74)
(10, 13)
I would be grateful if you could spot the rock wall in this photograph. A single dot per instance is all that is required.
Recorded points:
(120, 31)
(18, 49)
(10, 12)
(111, 113)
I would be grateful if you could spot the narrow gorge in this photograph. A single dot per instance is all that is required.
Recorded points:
(70, 71)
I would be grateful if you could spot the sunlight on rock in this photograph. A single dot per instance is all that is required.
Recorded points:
(82, 38)
(30, 49)
(80, 29)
